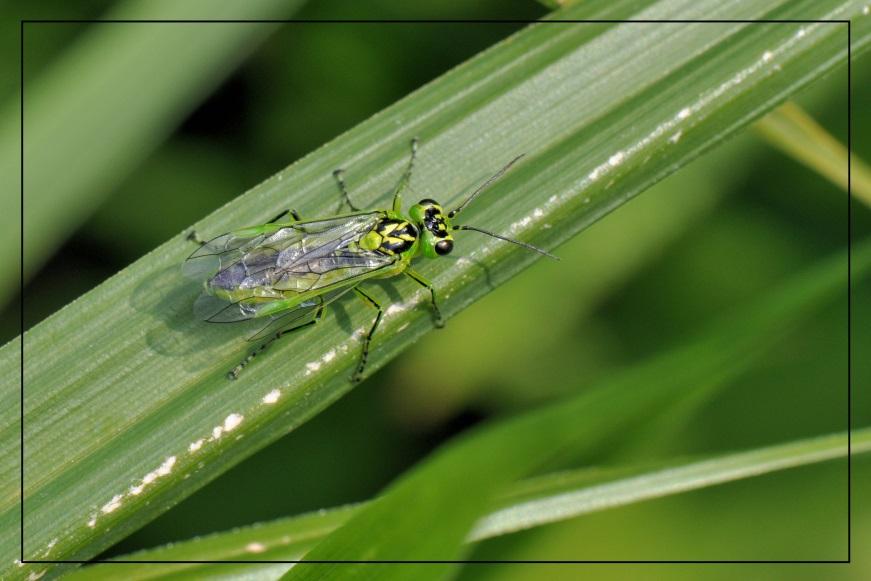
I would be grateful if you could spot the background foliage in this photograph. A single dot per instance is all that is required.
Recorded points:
(719, 233)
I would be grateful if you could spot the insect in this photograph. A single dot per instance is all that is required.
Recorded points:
(287, 271)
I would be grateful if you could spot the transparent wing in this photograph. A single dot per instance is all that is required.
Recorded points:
(283, 316)
(214, 310)
(224, 250)
(297, 258)
(299, 316)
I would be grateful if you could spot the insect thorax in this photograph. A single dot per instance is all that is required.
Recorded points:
(390, 236)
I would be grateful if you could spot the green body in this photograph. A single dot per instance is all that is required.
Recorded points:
(288, 272)
(386, 239)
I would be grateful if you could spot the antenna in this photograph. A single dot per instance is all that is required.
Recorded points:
(506, 239)
(483, 186)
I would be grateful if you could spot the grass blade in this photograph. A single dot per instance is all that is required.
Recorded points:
(531, 503)
(106, 89)
(452, 489)
(130, 391)
(555, 498)
(790, 129)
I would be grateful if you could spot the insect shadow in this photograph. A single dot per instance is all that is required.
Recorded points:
(168, 298)
(485, 269)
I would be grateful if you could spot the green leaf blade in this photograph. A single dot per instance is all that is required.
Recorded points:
(104, 106)
(452, 489)
(546, 499)
(124, 379)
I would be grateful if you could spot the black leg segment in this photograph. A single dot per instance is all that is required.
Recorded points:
(194, 237)
(234, 373)
(437, 314)
(339, 174)
(364, 355)
(406, 176)
(293, 213)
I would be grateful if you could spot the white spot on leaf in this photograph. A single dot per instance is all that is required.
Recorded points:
(166, 467)
(594, 175)
(615, 159)
(272, 397)
(112, 504)
(231, 422)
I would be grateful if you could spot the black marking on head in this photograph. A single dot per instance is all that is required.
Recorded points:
(444, 247)
(434, 221)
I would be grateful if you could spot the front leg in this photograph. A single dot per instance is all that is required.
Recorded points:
(437, 314)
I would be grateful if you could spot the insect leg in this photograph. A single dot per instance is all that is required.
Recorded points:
(234, 373)
(358, 375)
(439, 321)
(194, 237)
(406, 177)
(293, 213)
(339, 174)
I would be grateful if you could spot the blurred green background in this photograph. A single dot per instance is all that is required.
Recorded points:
(705, 240)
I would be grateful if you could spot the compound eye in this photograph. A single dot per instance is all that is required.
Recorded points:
(428, 202)
(443, 247)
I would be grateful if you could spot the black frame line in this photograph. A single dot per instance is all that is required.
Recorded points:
(22, 22)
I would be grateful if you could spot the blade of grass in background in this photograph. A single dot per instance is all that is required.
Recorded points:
(556, 497)
(454, 488)
(105, 105)
(793, 131)
(546, 499)
(130, 390)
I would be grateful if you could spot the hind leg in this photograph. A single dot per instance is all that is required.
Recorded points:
(364, 354)
(234, 373)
